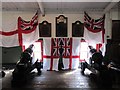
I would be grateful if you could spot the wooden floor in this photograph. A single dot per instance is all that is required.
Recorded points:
(54, 79)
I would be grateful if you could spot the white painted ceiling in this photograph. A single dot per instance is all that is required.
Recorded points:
(59, 6)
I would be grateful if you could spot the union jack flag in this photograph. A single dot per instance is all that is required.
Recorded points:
(65, 43)
(29, 25)
(94, 25)
(27, 30)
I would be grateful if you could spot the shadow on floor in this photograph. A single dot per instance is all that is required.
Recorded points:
(66, 79)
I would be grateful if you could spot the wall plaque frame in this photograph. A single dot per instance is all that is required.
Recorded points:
(61, 26)
(77, 29)
(44, 29)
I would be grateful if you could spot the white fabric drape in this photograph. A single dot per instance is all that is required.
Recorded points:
(9, 32)
(47, 53)
(93, 38)
(31, 37)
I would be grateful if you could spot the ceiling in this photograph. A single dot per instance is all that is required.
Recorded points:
(58, 6)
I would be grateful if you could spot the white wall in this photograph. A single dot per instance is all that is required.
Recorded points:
(71, 19)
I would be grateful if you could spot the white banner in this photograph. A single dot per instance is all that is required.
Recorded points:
(31, 37)
(18, 32)
(47, 46)
(9, 41)
(92, 38)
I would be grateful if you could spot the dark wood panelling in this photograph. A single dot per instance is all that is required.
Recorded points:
(116, 30)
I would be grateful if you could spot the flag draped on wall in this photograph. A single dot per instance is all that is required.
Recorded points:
(70, 52)
(93, 29)
(65, 43)
(26, 33)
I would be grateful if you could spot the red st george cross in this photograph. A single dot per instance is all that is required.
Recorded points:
(67, 50)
